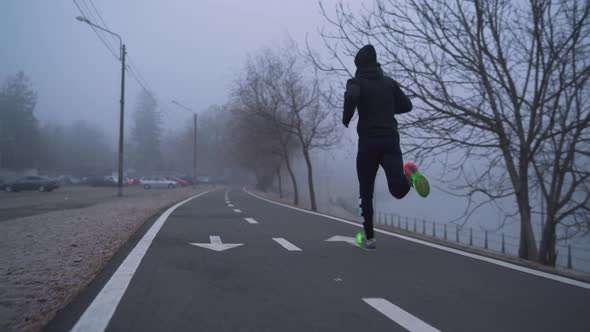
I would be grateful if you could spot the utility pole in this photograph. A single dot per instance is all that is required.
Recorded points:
(122, 110)
(195, 126)
(121, 122)
(195, 151)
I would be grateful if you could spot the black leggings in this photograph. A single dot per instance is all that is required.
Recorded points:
(372, 152)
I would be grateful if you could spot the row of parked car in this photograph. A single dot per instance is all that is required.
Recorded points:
(39, 183)
(47, 184)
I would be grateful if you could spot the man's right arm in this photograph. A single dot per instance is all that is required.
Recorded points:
(351, 99)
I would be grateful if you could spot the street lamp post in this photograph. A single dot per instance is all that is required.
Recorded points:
(194, 139)
(122, 101)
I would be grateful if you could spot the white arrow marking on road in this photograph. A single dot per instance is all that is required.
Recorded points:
(237, 211)
(286, 244)
(399, 315)
(216, 244)
(346, 239)
(250, 220)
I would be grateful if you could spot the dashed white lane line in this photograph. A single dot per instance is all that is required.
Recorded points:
(399, 315)
(286, 244)
(99, 312)
(237, 211)
(230, 205)
(508, 265)
(251, 220)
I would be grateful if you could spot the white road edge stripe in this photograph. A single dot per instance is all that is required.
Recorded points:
(99, 313)
(399, 315)
(490, 260)
(286, 244)
(237, 211)
(251, 220)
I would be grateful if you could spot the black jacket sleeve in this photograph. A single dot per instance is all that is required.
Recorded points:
(351, 99)
(402, 102)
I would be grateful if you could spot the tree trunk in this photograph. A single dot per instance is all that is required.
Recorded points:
(310, 179)
(293, 180)
(528, 247)
(280, 181)
(547, 254)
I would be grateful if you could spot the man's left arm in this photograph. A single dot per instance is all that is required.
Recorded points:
(351, 99)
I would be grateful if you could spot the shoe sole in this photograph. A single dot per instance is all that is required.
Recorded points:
(421, 185)
(359, 241)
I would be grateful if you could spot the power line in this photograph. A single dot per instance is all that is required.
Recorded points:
(97, 32)
(131, 67)
(102, 20)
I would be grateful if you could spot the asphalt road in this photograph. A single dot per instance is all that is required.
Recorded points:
(28, 203)
(285, 276)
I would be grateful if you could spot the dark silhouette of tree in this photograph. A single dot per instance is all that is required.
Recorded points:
(146, 134)
(19, 136)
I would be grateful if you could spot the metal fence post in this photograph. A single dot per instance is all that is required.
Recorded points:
(457, 233)
(423, 226)
(470, 236)
(399, 221)
(433, 229)
(407, 224)
(414, 225)
(445, 228)
(503, 244)
(486, 239)
(569, 256)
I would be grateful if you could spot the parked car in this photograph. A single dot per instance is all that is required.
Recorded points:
(40, 183)
(204, 179)
(102, 181)
(180, 181)
(68, 179)
(3, 183)
(157, 182)
(187, 178)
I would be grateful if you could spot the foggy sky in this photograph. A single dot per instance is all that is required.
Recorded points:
(186, 50)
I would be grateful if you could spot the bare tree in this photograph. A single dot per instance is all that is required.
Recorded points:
(279, 86)
(500, 89)
(310, 119)
(254, 91)
(251, 147)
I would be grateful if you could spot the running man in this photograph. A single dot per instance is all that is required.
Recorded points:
(378, 99)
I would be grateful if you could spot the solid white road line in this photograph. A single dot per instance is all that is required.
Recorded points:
(286, 244)
(251, 221)
(508, 265)
(237, 211)
(99, 312)
(399, 315)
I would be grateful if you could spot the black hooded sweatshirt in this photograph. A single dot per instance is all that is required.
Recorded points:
(377, 97)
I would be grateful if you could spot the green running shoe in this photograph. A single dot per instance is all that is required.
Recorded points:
(364, 243)
(418, 181)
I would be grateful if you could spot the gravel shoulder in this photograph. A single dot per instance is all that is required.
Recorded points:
(47, 259)
(29, 203)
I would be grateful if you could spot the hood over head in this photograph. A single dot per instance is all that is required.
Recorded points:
(366, 57)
